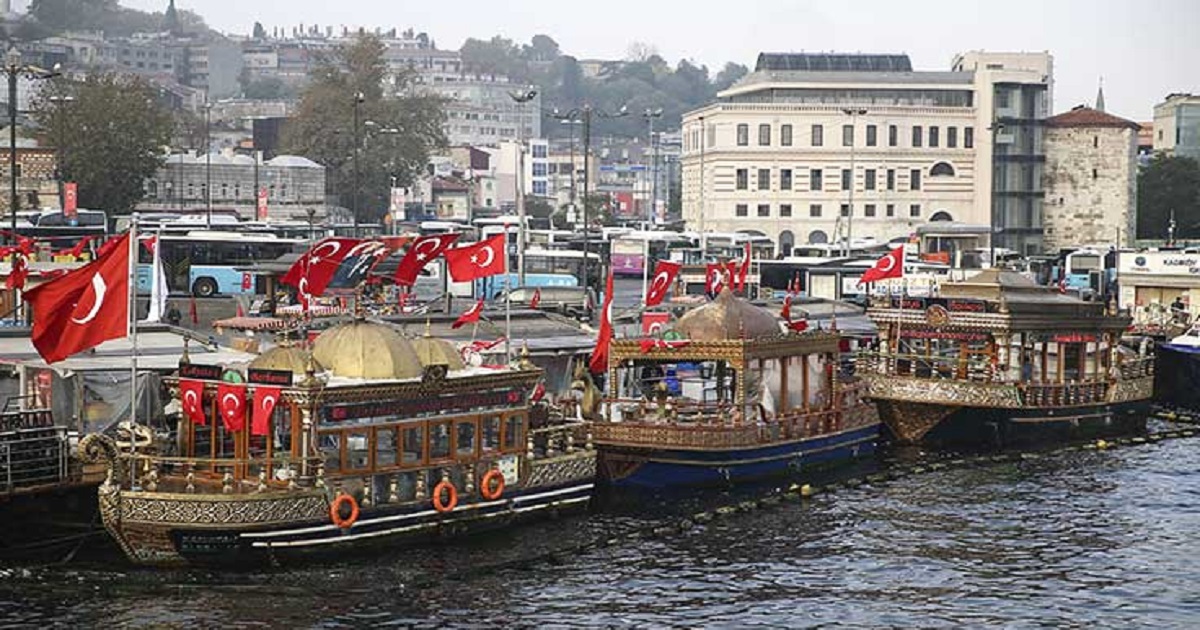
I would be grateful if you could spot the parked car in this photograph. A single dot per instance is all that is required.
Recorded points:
(575, 302)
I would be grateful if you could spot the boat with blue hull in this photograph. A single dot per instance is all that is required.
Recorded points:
(728, 394)
(382, 440)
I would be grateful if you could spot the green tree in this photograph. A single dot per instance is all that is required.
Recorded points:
(1169, 184)
(106, 15)
(259, 31)
(267, 89)
(112, 134)
(395, 134)
(729, 75)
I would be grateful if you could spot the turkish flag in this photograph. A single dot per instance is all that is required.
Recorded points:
(77, 250)
(469, 317)
(660, 285)
(265, 400)
(743, 269)
(650, 345)
(483, 259)
(231, 401)
(192, 313)
(83, 308)
(539, 392)
(653, 322)
(358, 263)
(890, 266)
(799, 325)
(536, 300)
(786, 311)
(423, 251)
(714, 275)
(313, 271)
(192, 394)
(599, 361)
(20, 271)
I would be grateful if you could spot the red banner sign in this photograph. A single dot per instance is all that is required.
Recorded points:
(262, 204)
(70, 200)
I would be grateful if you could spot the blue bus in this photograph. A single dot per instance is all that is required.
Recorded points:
(205, 263)
(543, 268)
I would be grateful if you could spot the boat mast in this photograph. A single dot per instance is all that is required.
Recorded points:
(133, 360)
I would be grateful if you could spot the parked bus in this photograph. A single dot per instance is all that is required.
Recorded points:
(629, 250)
(205, 263)
(57, 232)
(543, 268)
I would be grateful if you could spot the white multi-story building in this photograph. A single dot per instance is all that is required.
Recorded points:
(482, 112)
(816, 148)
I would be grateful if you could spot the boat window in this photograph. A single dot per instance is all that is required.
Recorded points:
(414, 445)
(465, 439)
(491, 433)
(358, 454)
(439, 440)
(331, 447)
(281, 429)
(512, 432)
(385, 447)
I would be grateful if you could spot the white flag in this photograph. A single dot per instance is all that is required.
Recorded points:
(158, 285)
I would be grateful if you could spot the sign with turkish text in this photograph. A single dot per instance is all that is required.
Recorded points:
(423, 406)
(70, 200)
(204, 372)
(269, 377)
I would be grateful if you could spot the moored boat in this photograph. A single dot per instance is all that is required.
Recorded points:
(996, 360)
(371, 439)
(725, 395)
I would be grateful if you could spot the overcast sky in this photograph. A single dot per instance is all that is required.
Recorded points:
(1143, 49)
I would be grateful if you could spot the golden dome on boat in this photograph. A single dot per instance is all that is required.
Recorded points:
(362, 349)
(284, 357)
(434, 351)
(727, 318)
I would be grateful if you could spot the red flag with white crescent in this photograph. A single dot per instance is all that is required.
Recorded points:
(20, 272)
(231, 402)
(786, 311)
(799, 325)
(313, 271)
(539, 392)
(536, 300)
(660, 285)
(424, 250)
(714, 278)
(743, 269)
(599, 361)
(469, 317)
(483, 259)
(191, 393)
(890, 266)
(265, 400)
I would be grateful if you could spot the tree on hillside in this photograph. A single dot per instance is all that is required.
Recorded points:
(113, 132)
(259, 31)
(1169, 184)
(395, 134)
(57, 16)
(729, 75)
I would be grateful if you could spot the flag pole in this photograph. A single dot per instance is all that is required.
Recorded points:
(508, 304)
(133, 363)
(645, 268)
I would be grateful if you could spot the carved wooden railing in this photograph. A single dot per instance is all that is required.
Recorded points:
(156, 473)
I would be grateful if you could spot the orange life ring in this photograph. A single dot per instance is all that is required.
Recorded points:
(492, 478)
(447, 488)
(335, 511)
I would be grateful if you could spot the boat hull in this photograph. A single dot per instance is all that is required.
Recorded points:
(1177, 379)
(626, 466)
(993, 427)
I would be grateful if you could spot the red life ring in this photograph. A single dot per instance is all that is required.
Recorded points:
(448, 489)
(335, 511)
(492, 485)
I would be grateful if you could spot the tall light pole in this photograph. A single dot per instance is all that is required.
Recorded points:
(853, 113)
(701, 199)
(521, 97)
(207, 162)
(650, 115)
(993, 224)
(14, 69)
(59, 103)
(358, 100)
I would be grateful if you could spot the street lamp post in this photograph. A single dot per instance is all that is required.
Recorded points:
(14, 69)
(521, 97)
(59, 103)
(853, 113)
(207, 163)
(650, 115)
(993, 225)
(358, 100)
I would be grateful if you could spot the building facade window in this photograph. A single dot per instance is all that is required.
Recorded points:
(934, 136)
(914, 179)
(785, 179)
(869, 210)
(764, 179)
(785, 135)
(741, 210)
(815, 179)
(818, 136)
(814, 210)
(764, 135)
(890, 209)
(743, 135)
(743, 179)
(845, 210)
(764, 210)
(869, 183)
(785, 210)
(941, 169)
(847, 135)
(893, 135)
(968, 137)
(846, 177)
(916, 136)
(951, 137)
(871, 139)
(914, 211)
(891, 179)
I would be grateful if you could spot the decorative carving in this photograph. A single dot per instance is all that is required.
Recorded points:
(937, 316)
(943, 391)
(559, 470)
(219, 510)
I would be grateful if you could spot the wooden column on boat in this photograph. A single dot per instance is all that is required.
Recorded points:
(1061, 363)
(784, 405)
(1045, 378)
(804, 382)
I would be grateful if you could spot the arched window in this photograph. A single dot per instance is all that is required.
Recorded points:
(941, 215)
(787, 240)
(941, 169)
(817, 237)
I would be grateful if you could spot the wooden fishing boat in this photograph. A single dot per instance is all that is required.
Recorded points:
(373, 439)
(725, 395)
(996, 360)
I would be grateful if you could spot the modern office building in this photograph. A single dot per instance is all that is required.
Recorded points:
(817, 148)
(1177, 125)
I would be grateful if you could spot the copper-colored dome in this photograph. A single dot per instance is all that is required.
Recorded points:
(366, 350)
(290, 358)
(727, 318)
(434, 351)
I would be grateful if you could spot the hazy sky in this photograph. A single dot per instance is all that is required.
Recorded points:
(1143, 49)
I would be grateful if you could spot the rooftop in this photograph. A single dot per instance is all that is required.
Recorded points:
(1083, 116)
(833, 62)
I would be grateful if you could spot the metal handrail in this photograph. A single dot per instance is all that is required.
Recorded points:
(34, 457)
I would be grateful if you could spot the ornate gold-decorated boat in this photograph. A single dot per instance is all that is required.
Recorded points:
(377, 439)
(996, 360)
(726, 395)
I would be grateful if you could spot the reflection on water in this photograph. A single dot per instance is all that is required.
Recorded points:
(1101, 539)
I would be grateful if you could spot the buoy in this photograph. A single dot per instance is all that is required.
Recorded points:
(806, 490)
(1101, 444)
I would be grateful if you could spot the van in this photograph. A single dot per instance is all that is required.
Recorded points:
(574, 302)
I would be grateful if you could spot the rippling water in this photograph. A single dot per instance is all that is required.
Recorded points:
(1097, 539)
